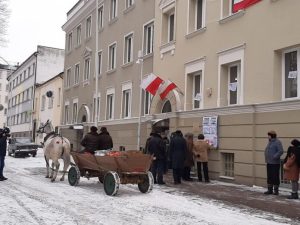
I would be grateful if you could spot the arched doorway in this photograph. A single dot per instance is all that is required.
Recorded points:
(84, 114)
(166, 107)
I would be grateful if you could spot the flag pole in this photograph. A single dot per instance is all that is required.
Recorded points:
(141, 62)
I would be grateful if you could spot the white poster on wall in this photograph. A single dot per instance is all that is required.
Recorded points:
(210, 129)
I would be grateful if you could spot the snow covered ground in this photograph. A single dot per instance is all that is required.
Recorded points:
(29, 198)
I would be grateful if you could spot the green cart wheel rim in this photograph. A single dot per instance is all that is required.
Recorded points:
(73, 176)
(147, 184)
(111, 183)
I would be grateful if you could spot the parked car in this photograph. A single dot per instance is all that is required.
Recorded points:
(21, 146)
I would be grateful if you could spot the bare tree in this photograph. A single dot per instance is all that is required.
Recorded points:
(4, 16)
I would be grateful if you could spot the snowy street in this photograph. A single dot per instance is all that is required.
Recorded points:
(27, 197)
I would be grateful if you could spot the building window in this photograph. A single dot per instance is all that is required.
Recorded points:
(197, 96)
(100, 17)
(227, 7)
(233, 85)
(43, 103)
(70, 42)
(291, 60)
(148, 38)
(113, 9)
(196, 15)
(68, 78)
(50, 103)
(78, 35)
(228, 164)
(168, 24)
(88, 29)
(110, 106)
(147, 102)
(59, 96)
(99, 63)
(76, 74)
(171, 26)
(126, 104)
(129, 3)
(75, 110)
(87, 68)
(66, 115)
(97, 102)
(128, 51)
(112, 56)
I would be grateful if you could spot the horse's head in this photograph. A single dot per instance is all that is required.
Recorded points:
(46, 128)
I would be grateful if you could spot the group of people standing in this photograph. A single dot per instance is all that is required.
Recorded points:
(94, 141)
(180, 154)
(291, 165)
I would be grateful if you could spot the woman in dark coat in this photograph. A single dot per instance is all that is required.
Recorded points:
(3, 144)
(105, 142)
(189, 161)
(178, 148)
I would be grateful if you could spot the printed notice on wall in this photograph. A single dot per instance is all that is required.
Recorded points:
(210, 129)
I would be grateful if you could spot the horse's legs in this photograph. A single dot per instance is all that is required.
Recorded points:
(56, 163)
(47, 167)
(52, 169)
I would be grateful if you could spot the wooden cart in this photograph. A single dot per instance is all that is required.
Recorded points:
(112, 169)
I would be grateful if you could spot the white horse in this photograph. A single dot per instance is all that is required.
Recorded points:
(55, 147)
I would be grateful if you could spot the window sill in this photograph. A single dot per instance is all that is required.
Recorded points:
(169, 47)
(149, 55)
(130, 8)
(195, 33)
(232, 17)
(226, 178)
(76, 85)
(85, 83)
(112, 21)
(127, 64)
(111, 71)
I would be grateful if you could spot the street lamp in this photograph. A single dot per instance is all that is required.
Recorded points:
(141, 62)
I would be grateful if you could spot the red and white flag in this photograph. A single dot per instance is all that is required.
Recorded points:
(151, 83)
(242, 4)
(166, 87)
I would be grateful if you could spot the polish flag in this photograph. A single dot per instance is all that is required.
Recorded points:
(151, 83)
(242, 4)
(166, 87)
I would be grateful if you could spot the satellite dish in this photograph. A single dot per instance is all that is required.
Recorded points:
(1, 107)
(49, 94)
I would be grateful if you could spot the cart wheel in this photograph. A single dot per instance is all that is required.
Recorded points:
(74, 176)
(111, 183)
(147, 184)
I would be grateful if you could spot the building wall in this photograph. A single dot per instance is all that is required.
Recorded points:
(3, 95)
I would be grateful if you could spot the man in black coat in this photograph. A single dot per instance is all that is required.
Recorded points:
(155, 146)
(91, 141)
(178, 149)
(3, 144)
(105, 142)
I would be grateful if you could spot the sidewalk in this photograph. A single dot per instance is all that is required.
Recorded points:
(241, 196)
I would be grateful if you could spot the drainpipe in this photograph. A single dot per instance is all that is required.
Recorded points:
(253, 144)
(96, 67)
(141, 62)
(32, 97)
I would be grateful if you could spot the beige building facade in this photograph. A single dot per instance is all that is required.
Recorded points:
(241, 67)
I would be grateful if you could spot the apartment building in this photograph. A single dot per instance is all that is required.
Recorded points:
(39, 67)
(48, 101)
(102, 76)
(5, 70)
(240, 67)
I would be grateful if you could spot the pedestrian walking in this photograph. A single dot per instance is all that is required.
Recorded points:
(291, 167)
(201, 148)
(178, 148)
(105, 142)
(189, 160)
(4, 133)
(273, 152)
(155, 147)
(91, 140)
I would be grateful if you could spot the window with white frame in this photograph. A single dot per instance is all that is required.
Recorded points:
(96, 107)
(66, 114)
(147, 102)
(68, 78)
(228, 164)
(43, 103)
(233, 84)
(88, 28)
(291, 83)
(76, 74)
(70, 41)
(129, 3)
(78, 35)
(99, 62)
(228, 7)
(100, 17)
(196, 19)
(112, 56)
(126, 103)
(110, 104)
(168, 24)
(74, 113)
(197, 92)
(171, 27)
(128, 51)
(50, 102)
(148, 38)
(113, 9)
(58, 96)
(87, 69)
(29, 71)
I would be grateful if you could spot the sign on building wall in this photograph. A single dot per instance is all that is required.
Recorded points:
(210, 129)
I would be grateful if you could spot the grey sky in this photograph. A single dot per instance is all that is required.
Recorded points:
(32, 23)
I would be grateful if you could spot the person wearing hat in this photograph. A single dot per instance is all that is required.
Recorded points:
(91, 141)
(273, 152)
(291, 167)
(105, 142)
